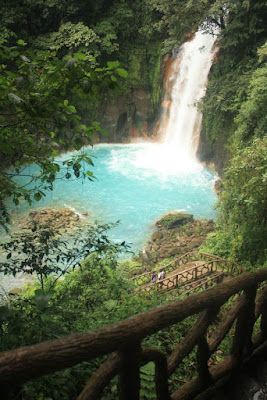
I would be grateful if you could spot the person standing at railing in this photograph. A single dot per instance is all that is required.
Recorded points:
(161, 275)
(153, 277)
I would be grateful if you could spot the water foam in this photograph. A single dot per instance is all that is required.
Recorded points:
(185, 120)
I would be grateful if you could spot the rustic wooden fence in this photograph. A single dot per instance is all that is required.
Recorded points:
(197, 256)
(123, 342)
(189, 276)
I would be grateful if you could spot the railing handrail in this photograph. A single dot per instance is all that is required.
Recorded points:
(190, 269)
(181, 273)
(29, 362)
(160, 282)
(186, 255)
(202, 281)
(166, 266)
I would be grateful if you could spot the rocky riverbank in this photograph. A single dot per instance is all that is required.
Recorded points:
(176, 234)
(61, 220)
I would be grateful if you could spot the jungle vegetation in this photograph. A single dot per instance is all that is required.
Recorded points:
(58, 57)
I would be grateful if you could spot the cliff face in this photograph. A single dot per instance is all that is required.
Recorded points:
(133, 113)
(215, 154)
(130, 117)
(138, 113)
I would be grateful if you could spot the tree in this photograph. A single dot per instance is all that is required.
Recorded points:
(81, 301)
(43, 250)
(242, 206)
(252, 113)
(230, 103)
(38, 119)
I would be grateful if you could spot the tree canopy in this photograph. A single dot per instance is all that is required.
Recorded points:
(38, 118)
(242, 207)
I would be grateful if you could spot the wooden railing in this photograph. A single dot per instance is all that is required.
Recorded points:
(202, 283)
(124, 342)
(192, 274)
(144, 278)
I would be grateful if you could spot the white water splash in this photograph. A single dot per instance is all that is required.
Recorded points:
(177, 153)
(190, 83)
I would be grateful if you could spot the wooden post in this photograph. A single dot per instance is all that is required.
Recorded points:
(196, 273)
(264, 324)
(203, 355)
(261, 307)
(7, 392)
(130, 372)
(161, 379)
(242, 344)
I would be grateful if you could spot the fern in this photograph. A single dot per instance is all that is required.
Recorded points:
(147, 374)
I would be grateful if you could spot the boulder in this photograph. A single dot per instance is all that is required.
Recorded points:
(174, 220)
(157, 236)
(174, 251)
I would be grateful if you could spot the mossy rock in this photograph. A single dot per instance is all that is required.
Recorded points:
(174, 220)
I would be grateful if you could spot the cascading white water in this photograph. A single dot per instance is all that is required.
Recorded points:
(180, 134)
(184, 125)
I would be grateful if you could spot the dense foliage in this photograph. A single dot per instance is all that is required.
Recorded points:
(38, 118)
(242, 207)
(96, 293)
(236, 99)
(136, 32)
(68, 66)
(235, 115)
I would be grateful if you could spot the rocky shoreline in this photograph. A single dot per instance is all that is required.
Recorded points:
(176, 233)
(61, 220)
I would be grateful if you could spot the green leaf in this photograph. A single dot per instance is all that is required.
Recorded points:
(72, 109)
(80, 56)
(121, 72)
(113, 64)
(21, 42)
(37, 196)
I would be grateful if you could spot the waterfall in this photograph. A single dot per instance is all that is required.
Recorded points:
(189, 74)
(181, 120)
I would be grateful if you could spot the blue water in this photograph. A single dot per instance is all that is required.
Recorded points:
(131, 191)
